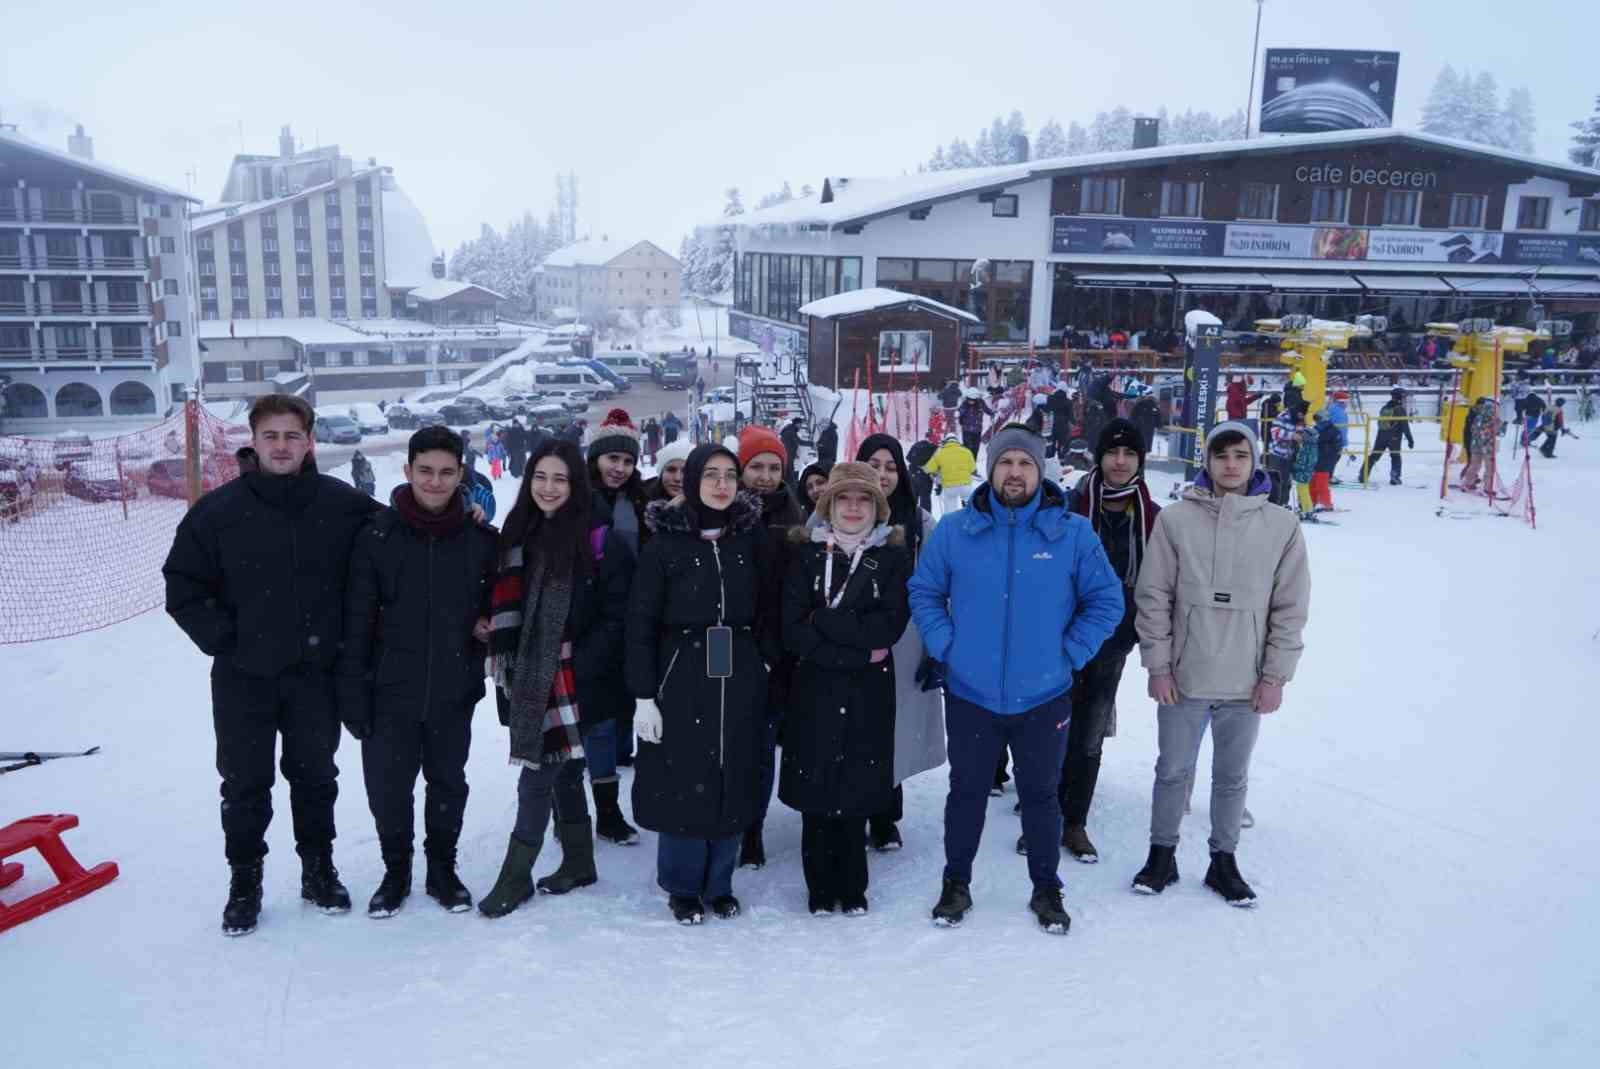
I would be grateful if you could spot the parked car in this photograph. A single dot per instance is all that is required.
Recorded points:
(523, 401)
(550, 379)
(166, 478)
(676, 371)
(574, 401)
(369, 417)
(403, 417)
(612, 377)
(720, 395)
(629, 363)
(552, 416)
(340, 430)
(98, 488)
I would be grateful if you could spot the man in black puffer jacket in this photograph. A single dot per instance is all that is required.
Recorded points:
(256, 579)
(411, 670)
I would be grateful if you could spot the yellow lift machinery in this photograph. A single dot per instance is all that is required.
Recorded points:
(1306, 343)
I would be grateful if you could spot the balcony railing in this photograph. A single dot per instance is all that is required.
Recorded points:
(84, 309)
(77, 216)
(74, 262)
(143, 353)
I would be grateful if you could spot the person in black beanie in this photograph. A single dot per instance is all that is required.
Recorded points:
(697, 644)
(1114, 498)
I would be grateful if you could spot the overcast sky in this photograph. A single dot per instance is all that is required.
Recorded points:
(659, 107)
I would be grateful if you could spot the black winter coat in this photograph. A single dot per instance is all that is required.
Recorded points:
(1393, 429)
(838, 734)
(410, 603)
(1328, 447)
(256, 572)
(703, 779)
(828, 446)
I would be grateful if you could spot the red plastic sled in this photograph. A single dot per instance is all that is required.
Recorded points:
(43, 833)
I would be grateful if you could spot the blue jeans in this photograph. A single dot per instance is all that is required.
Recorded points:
(1038, 743)
(696, 868)
(600, 750)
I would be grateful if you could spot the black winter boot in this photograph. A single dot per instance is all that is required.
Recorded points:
(1048, 908)
(752, 851)
(394, 888)
(955, 901)
(1076, 841)
(725, 907)
(443, 885)
(821, 905)
(609, 823)
(515, 883)
(239, 916)
(883, 836)
(687, 909)
(1223, 877)
(1160, 871)
(577, 859)
(319, 884)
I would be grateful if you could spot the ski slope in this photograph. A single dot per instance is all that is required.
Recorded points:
(1423, 853)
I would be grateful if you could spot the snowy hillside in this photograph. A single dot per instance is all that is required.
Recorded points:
(1423, 851)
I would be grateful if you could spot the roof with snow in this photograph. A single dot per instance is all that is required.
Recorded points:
(439, 289)
(214, 214)
(407, 246)
(12, 139)
(868, 300)
(589, 253)
(310, 330)
(306, 331)
(847, 200)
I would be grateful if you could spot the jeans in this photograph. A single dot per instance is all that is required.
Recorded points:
(1038, 744)
(696, 868)
(248, 714)
(1234, 726)
(600, 750)
(399, 748)
(546, 788)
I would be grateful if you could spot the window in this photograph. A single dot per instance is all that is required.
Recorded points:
(334, 222)
(1330, 205)
(1400, 207)
(1101, 196)
(269, 224)
(208, 293)
(336, 268)
(1258, 200)
(366, 246)
(1180, 199)
(272, 268)
(302, 244)
(302, 220)
(336, 292)
(368, 270)
(237, 269)
(893, 270)
(203, 243)
(305, 293)
(416, 356)
(1533, 213)
(1467, 209)
(363, 200)
(174, 328)
(269, 244)
(166, 211)
(234, 245)
(335, 247)
(61, 245)
(360, 358)
(331, 198)
(169, 286)
(274, 293)
(208, 268)
(1005, 206)
(302, 268)
(71, 338)
(369, 292)
(1590, 219)
(235, 372)
(241, 293)
(336, 358)
(269, 368)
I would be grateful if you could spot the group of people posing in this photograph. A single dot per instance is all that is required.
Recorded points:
(707, 615)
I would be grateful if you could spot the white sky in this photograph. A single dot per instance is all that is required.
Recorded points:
(658, 108)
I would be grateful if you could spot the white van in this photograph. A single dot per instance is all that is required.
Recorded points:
(369, 417)
(627, 363)
(570, 378)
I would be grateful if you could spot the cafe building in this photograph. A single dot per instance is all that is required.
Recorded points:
(1405, 225)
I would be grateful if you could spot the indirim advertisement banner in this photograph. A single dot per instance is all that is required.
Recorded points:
(1311, 90)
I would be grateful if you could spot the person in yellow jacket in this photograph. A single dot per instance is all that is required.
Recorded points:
(952, 464)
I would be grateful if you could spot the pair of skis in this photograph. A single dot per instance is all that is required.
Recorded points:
(30, 758)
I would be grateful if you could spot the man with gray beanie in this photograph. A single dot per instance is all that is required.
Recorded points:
(1222, 599)
(1012, 595)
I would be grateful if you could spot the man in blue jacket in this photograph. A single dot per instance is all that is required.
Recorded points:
(1013, 595)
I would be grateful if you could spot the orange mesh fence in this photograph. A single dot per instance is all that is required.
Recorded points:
(85, 524)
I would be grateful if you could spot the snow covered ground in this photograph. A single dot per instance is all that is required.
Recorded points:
(1423, 851)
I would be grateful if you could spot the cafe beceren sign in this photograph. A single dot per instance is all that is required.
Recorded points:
(1331, 174)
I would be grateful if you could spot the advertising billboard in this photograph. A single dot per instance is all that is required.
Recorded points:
(1311, 90)
(1142, 237)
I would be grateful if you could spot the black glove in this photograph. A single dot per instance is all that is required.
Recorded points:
(930, 674)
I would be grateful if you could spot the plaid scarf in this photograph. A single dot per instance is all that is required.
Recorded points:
(1137, 494)
(533, 664)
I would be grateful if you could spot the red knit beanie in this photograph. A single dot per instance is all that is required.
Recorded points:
(753, 441)
(616, 435)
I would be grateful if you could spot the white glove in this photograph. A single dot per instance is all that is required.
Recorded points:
(647, 723)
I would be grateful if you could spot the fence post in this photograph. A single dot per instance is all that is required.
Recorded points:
(122, 487)
(191, 448)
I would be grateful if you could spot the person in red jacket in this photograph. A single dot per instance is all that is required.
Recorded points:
(1237, 400)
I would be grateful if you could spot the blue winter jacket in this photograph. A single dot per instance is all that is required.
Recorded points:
(1339, 415)
(1014, 601)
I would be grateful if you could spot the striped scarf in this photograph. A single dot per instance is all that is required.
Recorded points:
(1137, 494)
(533, 664)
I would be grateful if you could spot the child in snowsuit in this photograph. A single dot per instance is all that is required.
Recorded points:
(1305, 466)
(1553, 426)
(1482, 429)
(1328, 449)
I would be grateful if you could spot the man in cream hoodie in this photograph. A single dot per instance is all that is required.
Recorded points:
(1222, 599)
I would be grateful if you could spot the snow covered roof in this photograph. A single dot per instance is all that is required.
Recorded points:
(590, 253)
(440, 288)
(214, 214)
(407, 246)
(856, 200)
(857, 301)
(12, 139)
(306, 331)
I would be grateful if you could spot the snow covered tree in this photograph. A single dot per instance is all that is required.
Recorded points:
(959, 155)
(1050, 142)
(983, 150)
(1482, 98)
(807, 190)
(1111, 131)
(1586, 139)
(1232, 127)
(1445, 113)
(1517, 122)
(779, 197)
(1077, 139)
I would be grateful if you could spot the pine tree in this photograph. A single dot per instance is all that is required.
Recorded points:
(982, 150)
(1517, 122)
(959, 155)
(1445, 113)
(1051, 142)
(1483, 110)
(1585, 149)
(807, 190)
(1077, 139)
(1112, 131)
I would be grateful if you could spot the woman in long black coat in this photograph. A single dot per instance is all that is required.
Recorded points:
(697, 771)
(844, 608)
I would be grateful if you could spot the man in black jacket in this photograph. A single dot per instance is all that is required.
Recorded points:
(256, 579)
(411, 670)
(790, 437)
(828, 444)
(1393, 426)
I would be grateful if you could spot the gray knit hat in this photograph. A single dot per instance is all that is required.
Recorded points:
(1241, 427)
(1015, 436)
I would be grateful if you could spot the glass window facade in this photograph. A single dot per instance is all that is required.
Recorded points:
(775, 285)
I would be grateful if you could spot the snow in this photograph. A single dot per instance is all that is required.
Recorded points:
(307, 330)
(855, 302)
(591, 253)
(407, 246)
(440, 288)
(1422, 804)
(10, 137)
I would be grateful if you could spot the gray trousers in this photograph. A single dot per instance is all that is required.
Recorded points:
(1234, 726)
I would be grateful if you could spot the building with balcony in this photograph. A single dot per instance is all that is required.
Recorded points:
(309, 235)
(96, 311)
(1406, 225)
(595, 278)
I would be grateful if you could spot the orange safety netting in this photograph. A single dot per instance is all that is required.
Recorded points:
(85, 524)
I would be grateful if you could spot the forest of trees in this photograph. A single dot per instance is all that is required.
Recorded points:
(1109, 131)
(1586, 139)
(1468, 107)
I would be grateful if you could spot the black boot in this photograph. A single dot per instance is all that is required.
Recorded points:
(515, 883)
(1160, 871)
(725, 907)
(955, 901)
(577, 859)
(1223, 877)
(752, 851)
(687, 909)
(820, 904)
(239, 916)
(319, 884)
(1048, 908)
(609, 823)
(443, 885)
(394, 888)
(882, 835)
(1076, 842)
